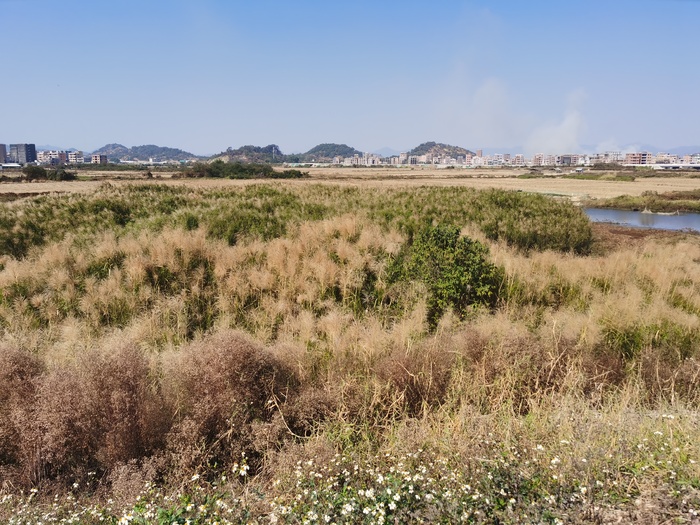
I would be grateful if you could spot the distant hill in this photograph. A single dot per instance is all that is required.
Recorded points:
(273, 154)
(270, 153)
(326, 152)
(387, 152)
(437, 149)
(118, 152)
(684, 150)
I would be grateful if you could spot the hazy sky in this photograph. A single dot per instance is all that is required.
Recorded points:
(204, 75)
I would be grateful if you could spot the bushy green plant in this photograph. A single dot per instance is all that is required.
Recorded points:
(454, 269)
(239, 170)
(60, 174)
(32, 172)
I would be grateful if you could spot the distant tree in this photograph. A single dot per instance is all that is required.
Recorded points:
(60, 174)
(32, 172)
(239, 170)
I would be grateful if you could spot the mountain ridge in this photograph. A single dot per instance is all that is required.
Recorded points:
(146, 152)
(438, 149)
(271, 153)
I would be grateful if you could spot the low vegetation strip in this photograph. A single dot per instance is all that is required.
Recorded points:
(523, 220)
(285, 354)
(238, 170)
(670, 202)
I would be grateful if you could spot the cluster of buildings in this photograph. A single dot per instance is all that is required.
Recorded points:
(479, 160)
(18, 155)
(22, 154)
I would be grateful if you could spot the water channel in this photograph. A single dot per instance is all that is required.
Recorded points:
(638, 219)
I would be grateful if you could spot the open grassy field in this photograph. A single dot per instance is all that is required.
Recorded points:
(345, 349)
(508, 179)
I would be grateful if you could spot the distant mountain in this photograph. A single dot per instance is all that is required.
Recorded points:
(118, 152)
(114, 152)
(684, 150)
(273, 154)
(387, 152)
(326, 152)
(269, 154)
(509, 149)
(436, 149)
(49, 147)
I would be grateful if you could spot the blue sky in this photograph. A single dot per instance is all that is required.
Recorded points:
(203, 75)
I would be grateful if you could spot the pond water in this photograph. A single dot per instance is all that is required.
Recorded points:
(638, 219)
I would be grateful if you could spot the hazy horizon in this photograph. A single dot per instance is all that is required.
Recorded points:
(387, 152)
(540, 76)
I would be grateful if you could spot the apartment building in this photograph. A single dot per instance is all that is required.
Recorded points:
(52, 157)
(3, 153)
(540, 159)
(76, 157)
(99, 159)
(22, 153)
(568, 160)
(639, 158)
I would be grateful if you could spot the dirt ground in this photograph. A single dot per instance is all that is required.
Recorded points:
(610, 237)
(575, 190)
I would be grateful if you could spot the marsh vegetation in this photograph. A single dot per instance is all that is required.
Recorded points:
(317, 353)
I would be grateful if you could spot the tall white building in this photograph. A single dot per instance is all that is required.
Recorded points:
(76, 157)
(52, 157)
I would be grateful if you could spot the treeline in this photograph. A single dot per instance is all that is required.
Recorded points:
(237, 170)
(39, 173)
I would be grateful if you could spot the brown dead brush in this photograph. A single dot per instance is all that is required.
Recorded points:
(220, 386)
(420, 374)
(19, 373)
(95, 413)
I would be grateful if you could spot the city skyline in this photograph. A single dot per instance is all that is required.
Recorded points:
(541, 76)
(433, 153)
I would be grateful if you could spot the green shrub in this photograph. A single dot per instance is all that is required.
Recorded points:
(34, 172)
(60, 174)
(239, 170)
(454, 269)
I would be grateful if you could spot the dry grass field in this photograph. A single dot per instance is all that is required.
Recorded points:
(506, 179)
(345, 349)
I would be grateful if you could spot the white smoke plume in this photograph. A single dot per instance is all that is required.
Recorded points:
(562, 136)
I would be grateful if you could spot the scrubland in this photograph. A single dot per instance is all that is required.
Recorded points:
(324, 354)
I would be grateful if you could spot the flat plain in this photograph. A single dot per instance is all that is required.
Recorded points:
(506, 179)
